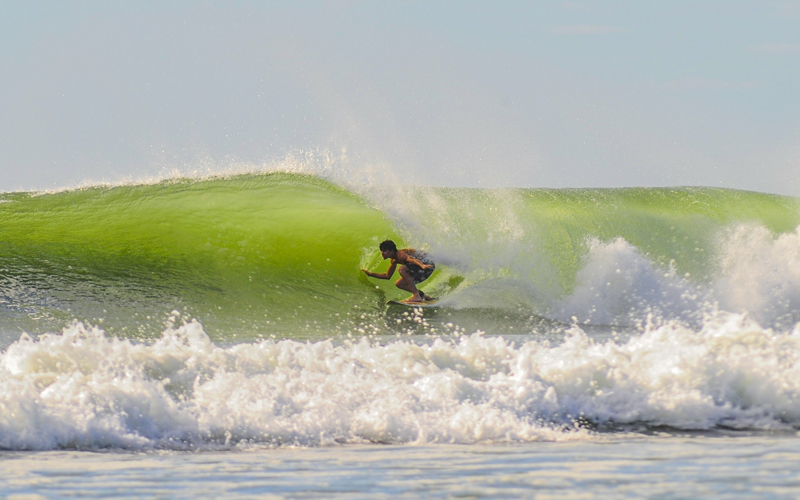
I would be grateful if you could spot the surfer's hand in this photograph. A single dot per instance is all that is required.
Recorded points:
(366, 272)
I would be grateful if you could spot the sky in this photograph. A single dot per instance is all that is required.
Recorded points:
(454, 93)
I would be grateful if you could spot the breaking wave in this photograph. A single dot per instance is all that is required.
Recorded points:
(279, 253)
(83, 389)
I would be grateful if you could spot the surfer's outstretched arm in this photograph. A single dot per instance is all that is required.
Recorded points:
(385, 276)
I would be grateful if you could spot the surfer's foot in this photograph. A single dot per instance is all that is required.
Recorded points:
(414, 298)
(425, 298)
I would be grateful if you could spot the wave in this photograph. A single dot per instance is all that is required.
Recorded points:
(248, 250)
(278, 254)
(85, 390)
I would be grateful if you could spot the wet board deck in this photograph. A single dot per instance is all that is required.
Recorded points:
(427, 303)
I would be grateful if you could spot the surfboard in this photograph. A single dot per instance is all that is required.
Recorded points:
(427, 303)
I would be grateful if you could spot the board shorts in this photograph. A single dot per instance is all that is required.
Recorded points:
(418, 274)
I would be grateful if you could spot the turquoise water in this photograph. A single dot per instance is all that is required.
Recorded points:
(215, 336)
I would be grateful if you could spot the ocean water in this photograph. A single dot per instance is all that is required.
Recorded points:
(215, 337)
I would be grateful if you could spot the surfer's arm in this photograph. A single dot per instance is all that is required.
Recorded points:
(385, 276)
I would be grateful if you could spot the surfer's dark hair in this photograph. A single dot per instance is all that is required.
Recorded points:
(388, 245)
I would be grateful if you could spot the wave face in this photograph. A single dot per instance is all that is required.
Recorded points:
(280, 253)
(239, 253)
(84, 390)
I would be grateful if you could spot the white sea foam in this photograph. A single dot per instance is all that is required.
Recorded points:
(760, 273)
(83, 389)
(757, 273)
(619, 284)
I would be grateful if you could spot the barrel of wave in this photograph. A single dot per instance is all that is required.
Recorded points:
(247, 255)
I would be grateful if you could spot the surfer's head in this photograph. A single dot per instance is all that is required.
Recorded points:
(388, 249)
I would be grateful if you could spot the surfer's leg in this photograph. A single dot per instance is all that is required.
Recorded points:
(406, 282)
(421, 275)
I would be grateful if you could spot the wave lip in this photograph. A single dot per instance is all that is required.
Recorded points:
(82, 389)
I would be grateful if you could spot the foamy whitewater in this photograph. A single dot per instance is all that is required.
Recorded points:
(580, 337)
(82, 389)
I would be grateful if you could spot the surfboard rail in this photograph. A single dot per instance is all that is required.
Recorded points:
(427, 303)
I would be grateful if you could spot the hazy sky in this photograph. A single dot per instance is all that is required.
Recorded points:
(529, 94)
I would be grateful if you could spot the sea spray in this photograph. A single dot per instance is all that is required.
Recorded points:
(753, 271)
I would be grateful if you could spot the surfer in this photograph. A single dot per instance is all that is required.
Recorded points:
(415, 267)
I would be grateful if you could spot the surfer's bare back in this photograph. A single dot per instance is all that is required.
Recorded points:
(412, 269)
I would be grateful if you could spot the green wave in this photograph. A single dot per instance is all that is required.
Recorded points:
(280, 253)
(239, 253)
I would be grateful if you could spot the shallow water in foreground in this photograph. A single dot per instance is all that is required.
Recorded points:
(719, 465)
